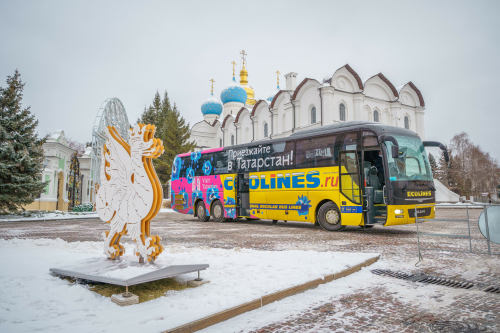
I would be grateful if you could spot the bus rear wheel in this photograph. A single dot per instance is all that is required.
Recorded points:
(218, 212)
(329, 217)
(202, 212)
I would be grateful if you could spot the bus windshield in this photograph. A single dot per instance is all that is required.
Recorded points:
(412, 163)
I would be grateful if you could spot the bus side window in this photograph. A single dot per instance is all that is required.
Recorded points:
(370, 139)
(204, 167)
(350, 141)
(316, 152)
(220, 163)
(185, 163)
(280, 156)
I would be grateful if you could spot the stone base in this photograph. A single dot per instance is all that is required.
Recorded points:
(194, 283)
(125, 301)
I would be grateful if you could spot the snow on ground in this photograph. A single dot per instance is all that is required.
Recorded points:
(421, 296)
(45, 215)
(167, 210)
(32, 299)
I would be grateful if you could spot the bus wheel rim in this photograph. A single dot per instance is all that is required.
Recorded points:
(202, 211)
(332, 217)
(217, 211)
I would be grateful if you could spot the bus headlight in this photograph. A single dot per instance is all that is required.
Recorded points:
(398, 211)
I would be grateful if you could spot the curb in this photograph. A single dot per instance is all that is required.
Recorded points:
(44, 220)
(264, 300)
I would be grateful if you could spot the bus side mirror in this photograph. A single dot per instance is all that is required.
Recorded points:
(395, 151)
(441, 146)
(446, 157)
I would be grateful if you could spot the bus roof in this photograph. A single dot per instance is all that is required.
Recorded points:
(377, 128)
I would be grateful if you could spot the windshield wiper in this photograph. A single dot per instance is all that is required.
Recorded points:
(430, 186)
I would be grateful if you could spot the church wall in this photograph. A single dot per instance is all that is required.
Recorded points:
(347, 100)
(245, 132)
(307, 99)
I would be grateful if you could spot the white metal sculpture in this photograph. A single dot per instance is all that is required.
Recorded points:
(110, 113)
(130, 194)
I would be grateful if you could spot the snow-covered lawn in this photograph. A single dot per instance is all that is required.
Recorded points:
(41, 215)
(32, 299)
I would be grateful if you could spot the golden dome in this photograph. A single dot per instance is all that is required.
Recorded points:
(248, 89)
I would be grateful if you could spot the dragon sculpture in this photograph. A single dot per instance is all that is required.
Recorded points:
(130, 194)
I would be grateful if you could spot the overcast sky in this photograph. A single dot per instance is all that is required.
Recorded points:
(73, 55)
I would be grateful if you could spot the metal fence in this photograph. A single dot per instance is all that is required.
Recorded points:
(466, 236)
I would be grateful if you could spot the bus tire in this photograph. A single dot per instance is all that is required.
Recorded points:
(329, 217)
(201, 211)
(275, 221)
(218, 212)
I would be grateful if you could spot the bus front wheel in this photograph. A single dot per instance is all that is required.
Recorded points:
(202, 212)
(329, 217)
(218, 212)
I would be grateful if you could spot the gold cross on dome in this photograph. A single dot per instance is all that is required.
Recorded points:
(233, 66)
(212, 85)
(278, 75)
(243, 55)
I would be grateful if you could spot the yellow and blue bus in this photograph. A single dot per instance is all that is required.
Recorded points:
(353, 173)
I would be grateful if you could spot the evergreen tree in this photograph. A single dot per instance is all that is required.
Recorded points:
(433, 164)
(171, 128)
(176, 140)
(21, 151)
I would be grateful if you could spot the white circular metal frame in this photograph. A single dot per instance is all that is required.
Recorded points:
(110, 113)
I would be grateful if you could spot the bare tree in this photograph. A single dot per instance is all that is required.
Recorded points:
(78, 146)
(472, 170)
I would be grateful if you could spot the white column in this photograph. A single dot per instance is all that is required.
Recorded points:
(419, 122)
(330, 114)
(398, 118)
(358, 107)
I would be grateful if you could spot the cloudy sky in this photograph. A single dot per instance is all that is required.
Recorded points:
(73, 55)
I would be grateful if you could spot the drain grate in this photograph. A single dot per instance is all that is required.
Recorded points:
(397, 275)
(457, 327)
(492, 289)
(424, 279)
(446, 282)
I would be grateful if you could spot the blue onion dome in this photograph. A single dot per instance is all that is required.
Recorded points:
(233, 93)
(271, 97)
(211, 106)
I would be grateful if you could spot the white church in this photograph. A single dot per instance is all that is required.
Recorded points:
(238, 118)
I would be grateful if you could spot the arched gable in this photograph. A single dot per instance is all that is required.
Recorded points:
(276, 97)
(410, 95)
(205, 127)
(378, 86)
(303, 86)
(243, 112)
(229, 119)
(346, 79)
(261, 104)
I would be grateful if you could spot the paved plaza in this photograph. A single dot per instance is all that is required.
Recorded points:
(387, 305)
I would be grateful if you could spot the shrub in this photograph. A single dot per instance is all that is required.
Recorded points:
(88, 207)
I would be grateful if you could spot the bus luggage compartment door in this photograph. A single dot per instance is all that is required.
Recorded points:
(242, 186)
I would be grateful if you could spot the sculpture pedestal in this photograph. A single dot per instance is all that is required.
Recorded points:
(124, 301)
(123, 272)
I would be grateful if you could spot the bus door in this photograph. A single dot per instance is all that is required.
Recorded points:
(373, 182)
(242, 186)
(351, 208)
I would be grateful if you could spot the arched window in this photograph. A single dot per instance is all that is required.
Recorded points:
(376, 116)
(220, 143)
(232, 139)
(407, 122)
(266, 132)
(313, 115)
(342, 111)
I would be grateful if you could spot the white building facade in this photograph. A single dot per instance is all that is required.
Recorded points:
(340, 97)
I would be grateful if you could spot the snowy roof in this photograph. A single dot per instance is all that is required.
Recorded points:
(58, 136)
